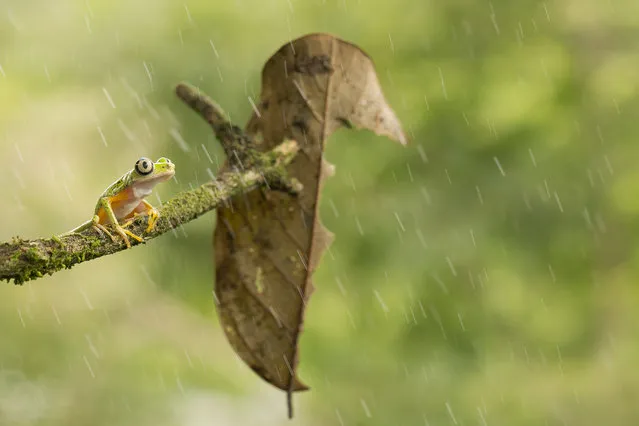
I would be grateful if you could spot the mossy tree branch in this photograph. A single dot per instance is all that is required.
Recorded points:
(24, 260)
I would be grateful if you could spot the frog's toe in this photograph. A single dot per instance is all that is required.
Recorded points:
(132, 235)
(123, 234)
(153, 218)
(101, 229)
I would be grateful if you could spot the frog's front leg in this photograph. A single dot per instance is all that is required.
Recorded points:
(105, 203)
(153, 214)
(144, 208)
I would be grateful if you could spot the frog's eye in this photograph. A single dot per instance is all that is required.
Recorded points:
(164, 160)
(144, 166)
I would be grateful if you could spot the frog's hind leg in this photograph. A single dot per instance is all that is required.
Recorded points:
(129, 233)
(105, 203)
(101, 229)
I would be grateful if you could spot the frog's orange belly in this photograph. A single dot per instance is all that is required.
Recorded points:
(123, 206)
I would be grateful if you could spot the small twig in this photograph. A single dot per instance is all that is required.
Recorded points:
(236, 143)
(24, 260)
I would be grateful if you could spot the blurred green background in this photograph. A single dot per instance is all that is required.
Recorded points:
(484, 275)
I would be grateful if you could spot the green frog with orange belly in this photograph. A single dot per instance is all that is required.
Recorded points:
(124, 199)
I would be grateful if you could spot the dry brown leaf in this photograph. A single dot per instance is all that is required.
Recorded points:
(267, 243)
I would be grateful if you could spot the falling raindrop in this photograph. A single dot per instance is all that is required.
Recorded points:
(426, 195)
(438, 320)
(421, 238)
(21, 318)
(367, 411)
(55, 314)
(421, 308)
(108, 96)
(217, 55)
(188, 13)
(481, 199)
(92, 347)
(410, 172)
(17, 148)
(547, 188)
(587, 218)
(127, 132)
(412, 313)
(102, 136)
(608, 165)
(561, 208)
(177, 137)
(422, 153)
(178, 382)
(441, 78)
(441, 283)
(546, 11)
(552, 273)
(493, 18)
(616, 104)
(154, 113)
(46, 73)
(342, 289)
(66, 189)
(207, 153)
(86, 299)
(381, 301)
(257, 111)
(466, 119)
(334, 208)
(399, 221)
(148, 73)
(450, 413)
(501, 169)
(451, 266)
(188, 358)
(86, 361)
(461, 321)
(532, 157)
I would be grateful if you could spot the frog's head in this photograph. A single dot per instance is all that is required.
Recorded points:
(149, 173)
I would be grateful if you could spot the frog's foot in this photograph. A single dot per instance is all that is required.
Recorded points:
(129, 222)
(154, 215)
(132, 219)
(124, 232)
(101, 229)
(150, 211)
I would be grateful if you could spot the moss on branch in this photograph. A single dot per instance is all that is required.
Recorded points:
(23, 260)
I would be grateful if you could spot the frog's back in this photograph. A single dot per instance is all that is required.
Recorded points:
(114, 189)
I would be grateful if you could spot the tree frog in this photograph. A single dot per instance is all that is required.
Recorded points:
(124, 199)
